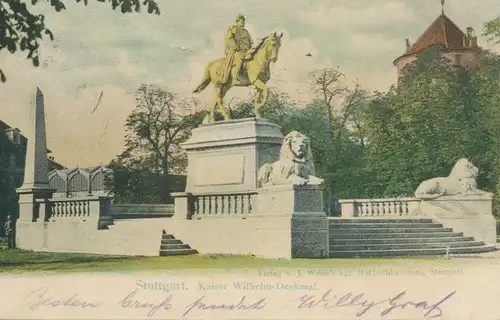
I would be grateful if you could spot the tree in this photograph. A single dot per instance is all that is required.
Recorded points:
(486, 87)
(155, 130)
(278, 109)
(21, 30)
(420, 128)
(491, 29)
(327, 87)
(337, 146)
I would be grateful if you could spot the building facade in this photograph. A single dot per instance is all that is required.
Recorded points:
(15, 156)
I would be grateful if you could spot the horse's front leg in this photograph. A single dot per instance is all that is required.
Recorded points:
(221, 92)
(258, 97)
(263, 94)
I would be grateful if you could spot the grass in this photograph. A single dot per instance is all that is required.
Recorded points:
(20, 261)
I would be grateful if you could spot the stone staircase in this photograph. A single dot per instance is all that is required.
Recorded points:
(173, 247)
(362, 238)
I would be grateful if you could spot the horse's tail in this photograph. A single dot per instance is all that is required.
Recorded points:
(204, 83)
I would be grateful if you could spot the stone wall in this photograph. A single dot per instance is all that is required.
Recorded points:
(270, 237)
(128, 237)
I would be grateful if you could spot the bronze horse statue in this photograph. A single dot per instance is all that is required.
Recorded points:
(255, 71)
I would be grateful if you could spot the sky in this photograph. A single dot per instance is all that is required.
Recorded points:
(97, 49)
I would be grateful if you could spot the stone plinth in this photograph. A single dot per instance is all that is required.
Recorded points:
(226, 156)
(304, 206)
(471, 214)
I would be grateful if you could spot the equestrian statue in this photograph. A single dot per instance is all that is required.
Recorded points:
(244, 65)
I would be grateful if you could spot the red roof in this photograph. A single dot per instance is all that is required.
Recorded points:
(442, 31)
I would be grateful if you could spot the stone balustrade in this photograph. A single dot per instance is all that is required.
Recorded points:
(83, 208)
(379, 208)
(235, 204)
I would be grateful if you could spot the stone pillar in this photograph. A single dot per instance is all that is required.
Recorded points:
(304, 206)
(35, 189)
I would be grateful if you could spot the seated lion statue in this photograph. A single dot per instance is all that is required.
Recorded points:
(295, 164)
(461, 181)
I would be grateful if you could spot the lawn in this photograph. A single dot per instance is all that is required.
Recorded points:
(20, 261)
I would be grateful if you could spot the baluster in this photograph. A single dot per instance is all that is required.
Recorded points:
(387, 210)
(60, 209)
(205, 205)
(214, 204)
(407, 209)
(250, 203)
(56, 209)
(223, 204)
(378, 209)
(363, 208)
(236, 204)
(76, 212)
(67, 208)
(196, 206)
(86, 208)
(243, 206)
(400, 208)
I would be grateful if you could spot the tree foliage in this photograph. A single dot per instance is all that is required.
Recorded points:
(420, 128)
(491, 29)
(22, 30)
(155, 129)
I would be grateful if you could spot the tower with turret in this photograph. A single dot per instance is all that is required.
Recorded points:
(460, 48)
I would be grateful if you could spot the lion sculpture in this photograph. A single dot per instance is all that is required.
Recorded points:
(461, 181)
(295, 164)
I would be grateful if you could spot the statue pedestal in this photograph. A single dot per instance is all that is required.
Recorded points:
(225, 156)
(303, 207)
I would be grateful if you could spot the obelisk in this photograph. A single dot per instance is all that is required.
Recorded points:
(36, 180)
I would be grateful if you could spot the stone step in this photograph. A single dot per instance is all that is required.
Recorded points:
(170, 241)
(363, 220)
(336, 241)
(177, 252)
(384, 234)
(167, 236)
(408, 252)
(174, 246)
(392, 230)
(367, 225)
(405, 246)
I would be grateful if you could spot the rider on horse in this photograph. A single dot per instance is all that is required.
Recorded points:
(237, 44)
